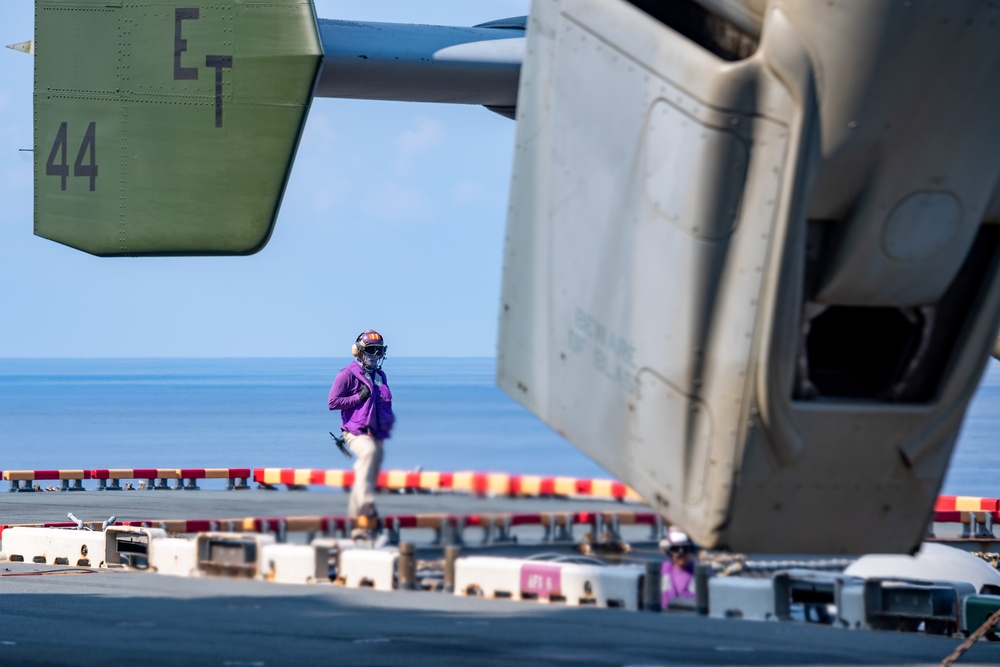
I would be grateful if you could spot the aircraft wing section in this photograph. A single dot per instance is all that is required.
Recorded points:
(753, 278)
(168, 128)
(423, 63)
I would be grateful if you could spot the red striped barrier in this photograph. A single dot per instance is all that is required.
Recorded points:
(237, 476)
(948, 509)
(966, 504)
(977, 515)
(476, 483)
(45, 474)
(21, 480)
(303, 477)
(156, 478)
(109, 479)
(496, 527)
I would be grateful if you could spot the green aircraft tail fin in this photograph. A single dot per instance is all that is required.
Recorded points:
(168, 127)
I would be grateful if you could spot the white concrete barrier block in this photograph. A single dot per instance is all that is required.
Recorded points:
(128, 546)
(373, 568)
(54, 546)
(232, 554)
(851, 605)
(601, 586)
(741, 597)
(914, 604)
(808, 595)
(296, 563)
(490, 576)
(548, 581)
(177, 556)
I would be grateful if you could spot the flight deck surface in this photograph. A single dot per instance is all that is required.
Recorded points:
(81, 616)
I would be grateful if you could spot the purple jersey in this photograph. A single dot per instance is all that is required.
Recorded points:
(677, 582)
(373, 416)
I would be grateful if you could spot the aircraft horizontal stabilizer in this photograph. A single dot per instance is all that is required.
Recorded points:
(168, 130)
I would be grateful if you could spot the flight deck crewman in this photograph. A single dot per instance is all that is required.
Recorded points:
(361, 393)
(678, 572)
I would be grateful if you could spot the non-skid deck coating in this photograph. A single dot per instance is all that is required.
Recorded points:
(50, 506)
(72, 616)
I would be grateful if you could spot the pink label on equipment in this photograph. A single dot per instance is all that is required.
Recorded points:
(540, 579)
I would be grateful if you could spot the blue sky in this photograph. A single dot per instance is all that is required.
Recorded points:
(393, 219)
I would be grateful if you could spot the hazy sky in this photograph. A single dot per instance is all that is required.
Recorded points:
(393, 219)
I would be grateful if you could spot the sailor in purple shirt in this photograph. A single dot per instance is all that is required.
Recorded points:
(361, 393)
(677, 574)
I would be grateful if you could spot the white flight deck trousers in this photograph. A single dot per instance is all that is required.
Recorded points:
(367, 463)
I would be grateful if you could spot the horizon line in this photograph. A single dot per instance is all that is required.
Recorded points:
(195, 357)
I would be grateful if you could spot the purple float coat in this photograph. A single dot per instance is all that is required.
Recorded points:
(375, 414)
(677, 582)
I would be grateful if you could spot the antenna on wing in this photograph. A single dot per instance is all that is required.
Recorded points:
(24, 47)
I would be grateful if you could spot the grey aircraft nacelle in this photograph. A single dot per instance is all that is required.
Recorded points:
(751, 255)
(751, 264)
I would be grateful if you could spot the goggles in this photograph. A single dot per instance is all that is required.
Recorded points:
(374, 350)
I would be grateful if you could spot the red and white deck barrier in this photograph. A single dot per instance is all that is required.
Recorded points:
(448, 528)
(477, 483)
(109, 479)
(977, 515)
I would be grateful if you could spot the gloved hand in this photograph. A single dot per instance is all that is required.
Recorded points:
(364, 394)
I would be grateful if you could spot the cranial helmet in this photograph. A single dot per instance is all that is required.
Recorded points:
(677, 541)
(369, 349)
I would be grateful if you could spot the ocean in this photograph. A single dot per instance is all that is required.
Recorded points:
(262, 413)
(272, 413)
